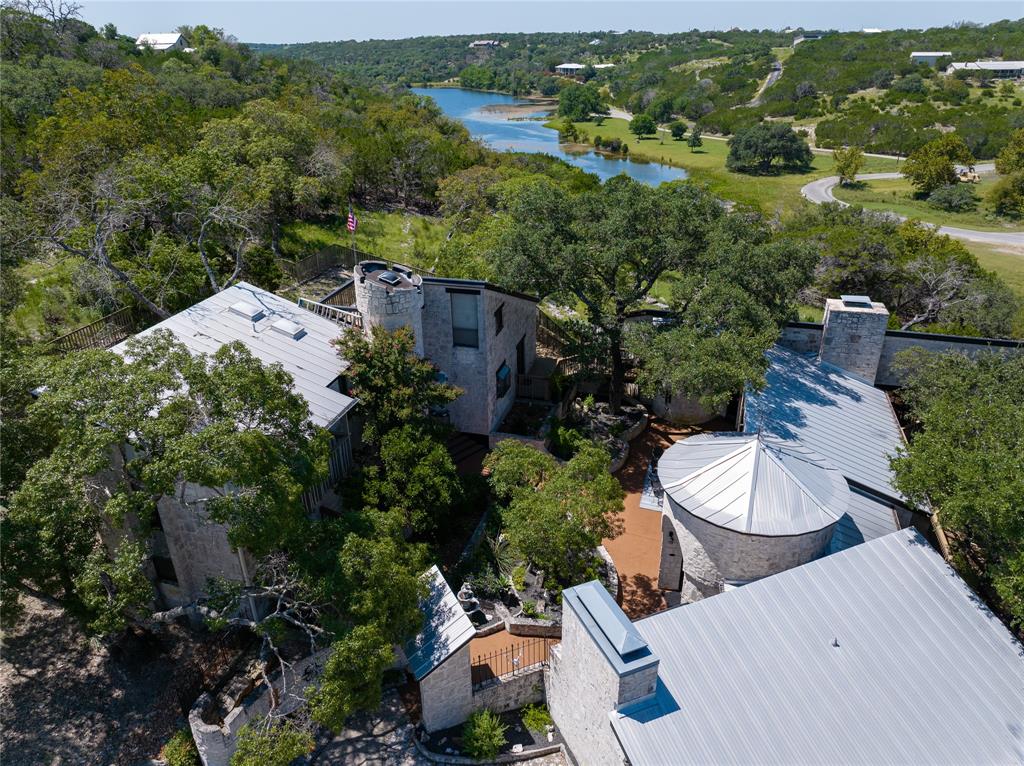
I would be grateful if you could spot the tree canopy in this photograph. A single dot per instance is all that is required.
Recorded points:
(768, 145)
(579, 102)
(934, 164)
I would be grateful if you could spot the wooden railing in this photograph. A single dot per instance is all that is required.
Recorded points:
(103, 333)
(552, 337)
(337, 314)
(541, 388)
(343, 296)
(331, 256)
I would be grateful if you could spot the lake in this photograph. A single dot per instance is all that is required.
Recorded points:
(518, 135)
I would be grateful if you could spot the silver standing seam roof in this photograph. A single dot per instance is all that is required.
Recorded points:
(753, 484)
(307, 354)
(446, 627)
(879, 654)
(848, 421)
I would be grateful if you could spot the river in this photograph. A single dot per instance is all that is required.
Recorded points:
(525, 135)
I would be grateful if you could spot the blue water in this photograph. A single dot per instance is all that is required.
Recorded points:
(503, 134)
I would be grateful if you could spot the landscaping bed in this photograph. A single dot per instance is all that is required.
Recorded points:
(519, 738)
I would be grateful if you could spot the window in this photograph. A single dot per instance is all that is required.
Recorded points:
(499, 320)
(503, 379)
(165, 569)
(465, 322)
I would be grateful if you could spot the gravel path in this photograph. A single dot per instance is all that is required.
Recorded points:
(820, 191)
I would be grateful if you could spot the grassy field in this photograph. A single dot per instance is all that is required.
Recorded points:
(771, 194)
(49, 307)
(397, 235)
(896, 195)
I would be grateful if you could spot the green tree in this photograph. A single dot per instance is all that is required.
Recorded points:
(117, 591)
(1007, 196)
(757, 148)
(934, 164)
(695, 141)
(643, 125)
(969, 468)
(1011, 159)
(557, 524)
(604, 249)
(579, 102)
(275, 742)
(484, 735)
(395, 386)
(678, 129)
(847, 163)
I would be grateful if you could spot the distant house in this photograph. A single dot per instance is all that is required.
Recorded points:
(596, 41)
(802, 38)
(928, 57)
(485, 44)
(604, 66)
(997, 69)
(871, 31)
(161, 41)
(569, 70)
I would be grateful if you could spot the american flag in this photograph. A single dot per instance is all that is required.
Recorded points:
(352, 220)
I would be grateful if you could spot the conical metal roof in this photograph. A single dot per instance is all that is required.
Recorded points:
(753, 484)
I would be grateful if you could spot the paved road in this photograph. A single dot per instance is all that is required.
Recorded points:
(821, 191)
(772, 78)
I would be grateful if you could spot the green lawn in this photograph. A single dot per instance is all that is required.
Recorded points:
(770, 194)
(781, 54)
(896, 195)
(396, 235)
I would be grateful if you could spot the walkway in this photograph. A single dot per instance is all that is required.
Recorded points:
(820, 191)
(637, 551)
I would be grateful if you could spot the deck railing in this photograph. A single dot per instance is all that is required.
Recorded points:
(329, 257)
(337, 314)
(507, 663)
(103, 333)
(343, 296)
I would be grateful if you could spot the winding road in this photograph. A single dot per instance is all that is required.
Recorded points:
(820, 191)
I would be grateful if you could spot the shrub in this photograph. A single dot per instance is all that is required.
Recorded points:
(1007, 196)
(954, 198)
(180, 750)
(530, 610)
(519, 578)
(483, 736)
(537, 718)
(566, 441)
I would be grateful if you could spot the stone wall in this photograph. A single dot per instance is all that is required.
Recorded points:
(853, 336)
(390, 308)
(802, 337)
(670, 570)
(446, 693)
(582, 689)
(519, 322)
(512, 693)
(217, 740)
(712, 554)
(896, 341)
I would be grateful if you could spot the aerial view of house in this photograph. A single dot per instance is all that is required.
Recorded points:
(421, 383)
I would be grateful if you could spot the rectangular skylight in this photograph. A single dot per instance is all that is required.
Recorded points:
(247, 310)
(287, 327)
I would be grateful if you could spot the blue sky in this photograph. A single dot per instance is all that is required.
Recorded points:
(284, 21)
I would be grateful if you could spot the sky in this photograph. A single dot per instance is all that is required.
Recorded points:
(291, 21)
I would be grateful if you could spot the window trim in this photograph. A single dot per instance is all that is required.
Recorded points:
(502, 384)
(465, 330)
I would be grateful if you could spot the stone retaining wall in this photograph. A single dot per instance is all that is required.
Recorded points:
(511, 693)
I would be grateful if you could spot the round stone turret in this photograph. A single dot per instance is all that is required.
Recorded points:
(390, 296)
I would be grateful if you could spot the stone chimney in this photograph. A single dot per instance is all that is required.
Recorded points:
(853, 335)
(390, 296)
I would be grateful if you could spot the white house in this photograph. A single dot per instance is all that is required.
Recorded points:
(569, 70)
(485, 44)
(161, 41)
(997, 69)
(604, 66)
(928, 57)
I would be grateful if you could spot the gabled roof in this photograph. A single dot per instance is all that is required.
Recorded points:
(846, 660)
(831, 412)
(753, 484)
(307, 353)
(446, 627)
(158, 40)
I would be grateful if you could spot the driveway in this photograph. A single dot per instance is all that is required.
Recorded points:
(820, 191)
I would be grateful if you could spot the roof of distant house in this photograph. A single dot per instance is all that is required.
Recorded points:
(569, 65)
(158, 40)
(991, 66)
(446, 627)
(274, 330)
(753, 484)
(827, 410)
(844, 660)
(940, 54)
(604, 66)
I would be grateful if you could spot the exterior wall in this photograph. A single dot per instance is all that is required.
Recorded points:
(896, 341)
(582, 690)
(391, 309)
(446, 693)
(512, 693)
(801, 337)
(681, 409)
(670, 571)
(853, 336)
(478, 409)
(712, 555)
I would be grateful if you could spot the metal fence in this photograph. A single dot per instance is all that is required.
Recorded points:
(103, 333)
(515, 660)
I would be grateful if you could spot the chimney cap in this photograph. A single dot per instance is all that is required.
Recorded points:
(855, 300)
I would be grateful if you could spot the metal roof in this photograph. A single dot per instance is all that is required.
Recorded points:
(867, 517)
(311, 358)
(831, 412)
(753, 484)
(880, 654)
(617, 638)
(446, 627)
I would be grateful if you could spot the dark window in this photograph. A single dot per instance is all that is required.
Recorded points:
(499, 319)
(521, 356)
(155, 522)
(503, 379)
(339, 384)
(165, 569)
(465, 319)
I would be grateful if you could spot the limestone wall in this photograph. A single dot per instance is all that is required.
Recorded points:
(853, 336)
(391, 308)
(896, 341)
(512, 693)
(519, 323)
(712, 554)
(446, 693)
(802, 337)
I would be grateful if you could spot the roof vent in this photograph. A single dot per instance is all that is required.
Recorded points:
(856, 300)
(610, 619)
(247, 310)
(287, 327)
(389, 277)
